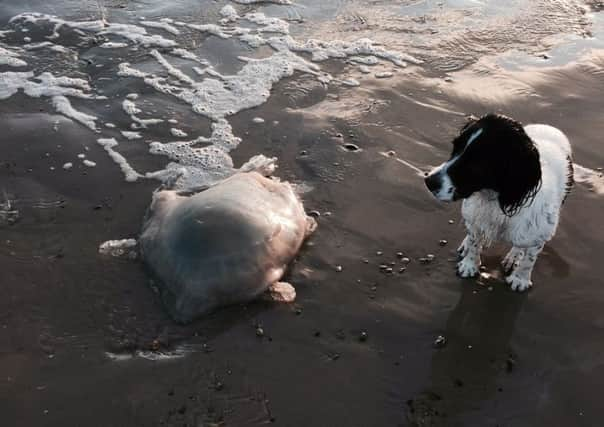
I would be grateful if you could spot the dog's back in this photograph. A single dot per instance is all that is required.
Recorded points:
(555, 155)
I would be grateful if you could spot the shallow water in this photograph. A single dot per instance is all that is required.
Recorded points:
(83, 335)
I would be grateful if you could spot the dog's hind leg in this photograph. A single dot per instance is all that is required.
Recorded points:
(470, 251)
(520, 279)
(512, 258)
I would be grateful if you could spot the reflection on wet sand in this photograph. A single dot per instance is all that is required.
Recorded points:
(467, 370)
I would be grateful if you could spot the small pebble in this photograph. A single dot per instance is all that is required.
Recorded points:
(391, 153)
(440, 341)
(399, 255)
(402, 270)
(366, 261)
(314, 214)
(451, 221)
(442, 242)
(259, 331)
(339, 268)
(303, 153)
(351, 147)
(389, 270)
(363, 336)
(379, 253)
(384, 75)
(405, 260)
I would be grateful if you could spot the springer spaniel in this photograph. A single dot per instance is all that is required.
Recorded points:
(513, 181)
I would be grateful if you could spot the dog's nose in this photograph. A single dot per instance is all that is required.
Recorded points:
(433, 182)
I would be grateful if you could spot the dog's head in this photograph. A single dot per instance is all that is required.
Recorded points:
(490, 153)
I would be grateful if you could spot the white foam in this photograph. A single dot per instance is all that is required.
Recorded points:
(81, 156)
(10, 58)
(285, 2)
(201, 160)
(130, 32)
(63, 106)
(229, 14)
(173, 71)
(89, 163)
(132, 110)
(219, 98)
(119, 248)
(213, 29)
(58, 88)
(268, 24)
(178, 133)
(50, 45)
(185, 54)
(113, 45)
(67, 165)
(109, 144)
(155, 356)
(43, 85)
(161, 25)
(322, 50)
(131, 135)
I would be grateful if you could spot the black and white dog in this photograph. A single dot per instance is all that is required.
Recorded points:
(513, 181)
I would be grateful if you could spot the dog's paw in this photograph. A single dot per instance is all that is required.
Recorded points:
(519, 284)
(511, 259)
(467, 268)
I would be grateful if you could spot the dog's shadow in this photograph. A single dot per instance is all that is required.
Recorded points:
(466, 370)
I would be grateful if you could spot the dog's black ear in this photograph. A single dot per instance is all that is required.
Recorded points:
(520, 172)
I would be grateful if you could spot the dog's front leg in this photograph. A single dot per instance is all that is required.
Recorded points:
(470, 251)
(520, 279)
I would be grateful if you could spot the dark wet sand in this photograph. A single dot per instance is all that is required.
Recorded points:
(532, 359)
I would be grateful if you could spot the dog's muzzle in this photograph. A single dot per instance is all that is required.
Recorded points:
(440, 185)
(433, 182)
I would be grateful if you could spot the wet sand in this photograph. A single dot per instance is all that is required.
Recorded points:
(532, 359)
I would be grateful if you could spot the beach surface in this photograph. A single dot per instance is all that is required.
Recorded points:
(382, 332)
